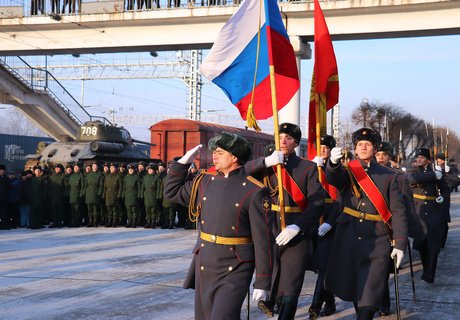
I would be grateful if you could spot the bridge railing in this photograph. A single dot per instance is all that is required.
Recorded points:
(24, 8)
(43, 82)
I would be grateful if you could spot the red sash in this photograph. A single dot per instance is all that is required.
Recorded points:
(331, 190)
(293, 189)
(371, 190)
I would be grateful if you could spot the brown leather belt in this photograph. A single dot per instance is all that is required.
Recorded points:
(287, 209)
(362, 215)
(421, 196)
(230, 241)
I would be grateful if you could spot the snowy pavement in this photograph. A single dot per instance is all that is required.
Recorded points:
(123, 273)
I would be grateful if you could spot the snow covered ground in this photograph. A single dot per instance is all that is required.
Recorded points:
(123, 273)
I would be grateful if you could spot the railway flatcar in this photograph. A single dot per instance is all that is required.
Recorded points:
(172, 138)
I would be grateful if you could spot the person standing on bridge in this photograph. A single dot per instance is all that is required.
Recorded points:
(371, 228)
(235, 221)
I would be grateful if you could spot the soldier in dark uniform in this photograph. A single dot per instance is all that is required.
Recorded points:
(363, 242)
(76, 196)
(57, 184)
(303, 205)
(234, 228)
(324, 235)
(94, 186)
(432, 200)
(38, 195)
(149, 190)
(384, 157)
(113, 191)
(131, 194)
(4, 192)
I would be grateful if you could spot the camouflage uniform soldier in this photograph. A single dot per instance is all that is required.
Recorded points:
(149, 191)
(76, 196)
(141, 172)
(169, 208)
(103, 213)
(122, 171)
(113, 191)
(57, 184)
(132, 193)
(38, 193)
(94, 184)
(161, 175)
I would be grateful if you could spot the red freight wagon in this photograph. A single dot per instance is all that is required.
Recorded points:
(174, 137)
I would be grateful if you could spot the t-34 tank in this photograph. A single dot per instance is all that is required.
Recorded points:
(96, 141)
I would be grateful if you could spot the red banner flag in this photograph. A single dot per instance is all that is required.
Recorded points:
(324, 83)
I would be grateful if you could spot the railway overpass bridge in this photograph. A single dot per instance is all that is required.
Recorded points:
(105, 26)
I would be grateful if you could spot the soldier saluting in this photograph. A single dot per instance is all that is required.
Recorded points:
(432, 201)
(371, 228)
(234, 228)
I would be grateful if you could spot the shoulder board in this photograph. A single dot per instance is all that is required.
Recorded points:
(255, 181)
(208, 172)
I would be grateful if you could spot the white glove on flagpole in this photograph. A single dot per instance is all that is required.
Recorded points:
(287, 234)
(399, 254)
(336, 155)
(438, 175)
(440, 200)
(260, 294)
(275, 158)
(190, 155)
(446, 168)
(319, 161)
(324, 228)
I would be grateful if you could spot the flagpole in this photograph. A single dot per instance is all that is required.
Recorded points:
(277, 146)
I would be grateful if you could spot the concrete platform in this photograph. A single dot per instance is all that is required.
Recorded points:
(108, 273)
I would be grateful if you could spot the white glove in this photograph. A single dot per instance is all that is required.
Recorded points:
(438, 168)
(438, 175)
(190, 155)
(403, 169)
(319, 161)
(275, 158)
(446, 168)
(336, 155)
(287, 234)
(440, 200)
(399, 254)
(324, 228)
(260, 294)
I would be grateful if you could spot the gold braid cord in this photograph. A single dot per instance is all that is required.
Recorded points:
(355, 190)
(194, 209)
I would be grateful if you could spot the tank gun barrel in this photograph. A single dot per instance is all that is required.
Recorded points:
(144, 142)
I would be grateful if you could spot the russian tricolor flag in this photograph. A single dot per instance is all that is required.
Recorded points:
(239, 55)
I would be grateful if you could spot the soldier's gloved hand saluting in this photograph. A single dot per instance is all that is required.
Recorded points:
(398, 255)
(275, 158)
(336, 155)
(190, 155)
(287, 234)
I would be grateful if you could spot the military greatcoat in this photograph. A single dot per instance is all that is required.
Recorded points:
(235, 207)
(291, 259)
(433, 216)
(358, 265)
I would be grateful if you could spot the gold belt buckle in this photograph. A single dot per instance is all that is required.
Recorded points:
(362, 216)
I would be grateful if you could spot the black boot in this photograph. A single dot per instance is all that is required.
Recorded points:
(317, 300)
(366, 313)
(329, 306)
(288, 308)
